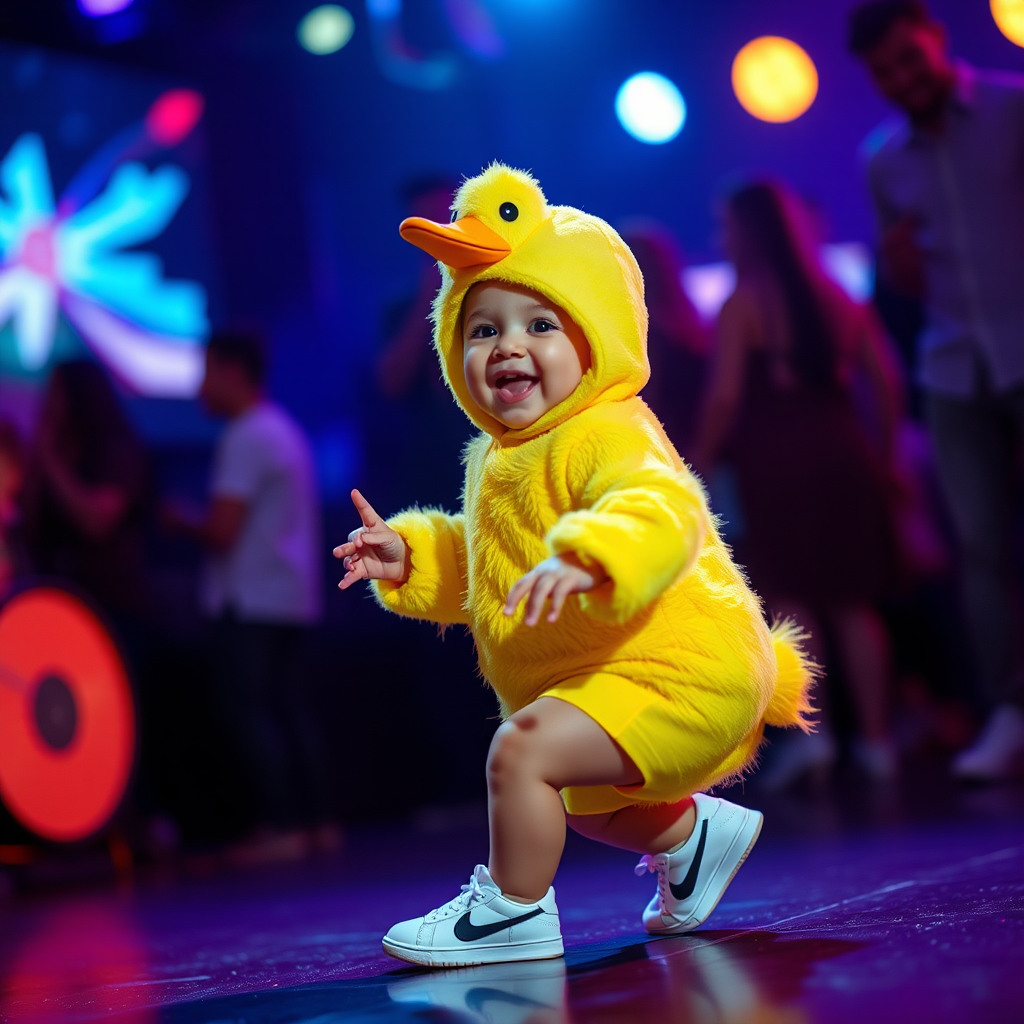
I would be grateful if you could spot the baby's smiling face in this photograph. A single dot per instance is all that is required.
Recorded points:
(522, 354)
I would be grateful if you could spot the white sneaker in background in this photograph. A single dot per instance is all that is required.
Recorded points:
(998, 753)
(494, 993)
(692, 880)
(479, 926)
(797, 756)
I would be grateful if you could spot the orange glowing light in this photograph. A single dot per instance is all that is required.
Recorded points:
(1009, 18)
(774, 79)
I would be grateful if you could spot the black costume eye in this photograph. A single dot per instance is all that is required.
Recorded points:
(508, 211)
(455, 216)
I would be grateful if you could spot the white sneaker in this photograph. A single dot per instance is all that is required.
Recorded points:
(692, 880)
(479, 926)
(998, 753)
(493, 993)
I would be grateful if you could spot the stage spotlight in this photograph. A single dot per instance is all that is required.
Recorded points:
(650, 108)
(325, 29)
(98, 8)
(1009, 18)
(173, 115)
(774, 79)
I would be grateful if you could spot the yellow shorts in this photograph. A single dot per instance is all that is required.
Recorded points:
(682, 745)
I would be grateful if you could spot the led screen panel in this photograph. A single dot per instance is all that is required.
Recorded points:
(104, 247)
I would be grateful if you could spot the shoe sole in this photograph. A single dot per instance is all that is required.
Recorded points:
(547, 949)
(731, 862)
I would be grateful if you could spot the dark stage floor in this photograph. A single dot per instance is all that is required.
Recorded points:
(883, 907)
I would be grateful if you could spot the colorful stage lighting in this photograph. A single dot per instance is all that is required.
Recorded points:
(98, 8)
(173, 116)
(326, 29)
(774, 79)
(1009, 18)
(650, 108)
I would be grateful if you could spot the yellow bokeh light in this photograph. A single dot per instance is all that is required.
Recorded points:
(774, 79)
(1009, 17)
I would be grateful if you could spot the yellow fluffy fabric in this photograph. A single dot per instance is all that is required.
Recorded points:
(676, 630)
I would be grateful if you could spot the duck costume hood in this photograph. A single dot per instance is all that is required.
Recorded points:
(503, 229)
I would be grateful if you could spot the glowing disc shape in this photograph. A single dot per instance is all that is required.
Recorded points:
(1009, 18)
(774, 79)
(650, 108)
(325, 29)
(67, 719)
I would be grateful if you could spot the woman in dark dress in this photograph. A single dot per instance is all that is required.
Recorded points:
(818, 540)
(87, 494)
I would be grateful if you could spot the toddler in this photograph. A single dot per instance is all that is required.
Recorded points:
(631, 660)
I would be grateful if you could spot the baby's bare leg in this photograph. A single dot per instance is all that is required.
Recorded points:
(547, 746)
(642, 828)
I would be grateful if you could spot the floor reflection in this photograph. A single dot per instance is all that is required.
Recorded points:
(714, 978)
(75, 955)
(524, 993)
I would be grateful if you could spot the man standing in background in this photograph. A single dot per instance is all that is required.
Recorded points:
(948, 186)
(261, 592)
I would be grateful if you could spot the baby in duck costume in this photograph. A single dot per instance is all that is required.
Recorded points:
(631, 660)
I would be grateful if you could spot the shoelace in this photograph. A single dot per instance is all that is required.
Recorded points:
(647, 863)
(655, 864)
(468, 895)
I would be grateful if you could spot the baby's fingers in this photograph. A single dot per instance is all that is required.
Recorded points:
(563, 588)
(519, 590)
(542, 587)
(356, 571)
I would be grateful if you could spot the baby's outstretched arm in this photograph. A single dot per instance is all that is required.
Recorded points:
(374, 551)
(555, 579)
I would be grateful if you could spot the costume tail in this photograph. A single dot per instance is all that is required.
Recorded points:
(790, 704)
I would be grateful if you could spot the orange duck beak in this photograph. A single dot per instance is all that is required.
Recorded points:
(466, 242)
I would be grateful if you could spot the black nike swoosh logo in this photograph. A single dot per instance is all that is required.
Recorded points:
(684, 890)
(466, 931)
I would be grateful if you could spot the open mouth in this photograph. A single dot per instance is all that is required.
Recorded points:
(514, 387)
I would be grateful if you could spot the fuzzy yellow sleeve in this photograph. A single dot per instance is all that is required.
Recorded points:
(640, 518)
(437, 577)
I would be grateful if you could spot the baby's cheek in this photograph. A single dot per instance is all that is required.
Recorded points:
(476, 382)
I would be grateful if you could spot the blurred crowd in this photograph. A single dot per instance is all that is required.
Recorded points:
(870, 494)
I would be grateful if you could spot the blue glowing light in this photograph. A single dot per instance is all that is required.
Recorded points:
(650, 108)
(62, 257)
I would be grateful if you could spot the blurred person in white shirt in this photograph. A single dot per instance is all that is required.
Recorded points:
(261, 592)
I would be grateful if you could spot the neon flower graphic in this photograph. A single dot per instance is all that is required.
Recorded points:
(69, 256)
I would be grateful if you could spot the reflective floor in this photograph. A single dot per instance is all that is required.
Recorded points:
(887, 907)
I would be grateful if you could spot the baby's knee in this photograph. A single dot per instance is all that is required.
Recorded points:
(509, 754)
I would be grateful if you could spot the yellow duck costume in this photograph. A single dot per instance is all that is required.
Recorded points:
(671, 656)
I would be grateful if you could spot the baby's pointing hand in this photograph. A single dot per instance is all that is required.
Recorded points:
(555, 578)
(374, 551)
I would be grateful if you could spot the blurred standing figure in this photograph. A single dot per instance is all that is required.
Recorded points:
(13, 556)
(261, 591)
(948, 187)
(818, 541)
(87, 496)
(676, 339)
